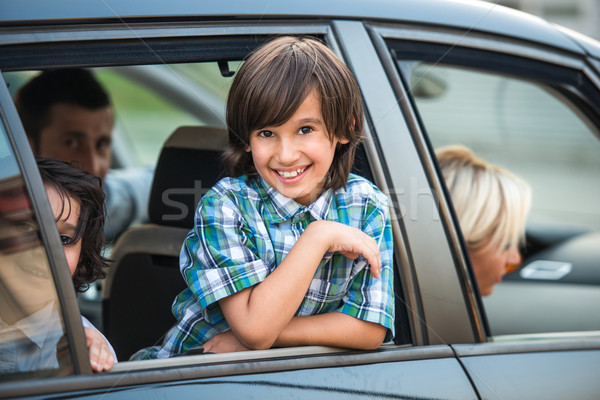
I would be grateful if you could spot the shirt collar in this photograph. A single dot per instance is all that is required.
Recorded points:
(280, 208)
(38, 325)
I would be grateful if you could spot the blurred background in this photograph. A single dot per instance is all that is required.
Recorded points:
(580, 15)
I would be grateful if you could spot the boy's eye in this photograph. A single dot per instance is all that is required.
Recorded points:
(305, 129)
(266, 134)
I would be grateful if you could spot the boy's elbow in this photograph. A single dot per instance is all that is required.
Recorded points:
(373, 343)
(375, 337)
(256, 339)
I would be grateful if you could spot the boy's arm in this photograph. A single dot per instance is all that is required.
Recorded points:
(257, 315)
(332, 329)
(364, 318)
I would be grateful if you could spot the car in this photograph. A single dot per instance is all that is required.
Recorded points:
(519, 91)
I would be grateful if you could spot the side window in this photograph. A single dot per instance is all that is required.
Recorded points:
(32, 341)
(524, 127)
(533, 131)
(151, 101)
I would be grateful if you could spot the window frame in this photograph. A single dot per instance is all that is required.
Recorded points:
(55, 50)
(570, 74)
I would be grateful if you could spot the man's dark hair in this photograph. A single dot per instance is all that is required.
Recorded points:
(74, 184)
(72, 86)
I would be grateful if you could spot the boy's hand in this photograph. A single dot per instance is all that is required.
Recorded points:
(224, 342)
(101, 357)
(349, 241)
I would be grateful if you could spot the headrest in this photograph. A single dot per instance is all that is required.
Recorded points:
(189, 165)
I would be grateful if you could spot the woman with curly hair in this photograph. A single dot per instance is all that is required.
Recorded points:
(77, 202)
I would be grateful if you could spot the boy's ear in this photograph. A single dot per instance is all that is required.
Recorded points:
(248, 149)
(343, 141)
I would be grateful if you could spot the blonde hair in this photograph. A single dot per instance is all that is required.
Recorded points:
(491, 203)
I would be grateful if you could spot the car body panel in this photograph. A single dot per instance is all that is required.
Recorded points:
(478, 16)
(401, 373)
(533, 373)
(447, 350)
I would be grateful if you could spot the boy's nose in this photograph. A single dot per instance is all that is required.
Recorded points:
(287, 151)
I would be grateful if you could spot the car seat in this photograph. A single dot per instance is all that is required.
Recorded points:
(144, 276)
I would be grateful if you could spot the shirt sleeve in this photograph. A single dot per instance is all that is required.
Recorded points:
(219, 256)
(368, 298)
(127, 194)
(87, 324)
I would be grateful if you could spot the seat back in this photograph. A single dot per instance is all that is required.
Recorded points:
(144, 276)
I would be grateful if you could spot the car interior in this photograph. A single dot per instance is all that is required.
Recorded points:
(145, 259)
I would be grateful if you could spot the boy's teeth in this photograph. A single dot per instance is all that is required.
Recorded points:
(291, 174)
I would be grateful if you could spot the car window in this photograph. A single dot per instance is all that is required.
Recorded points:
(521, 126)
(32, 341)
(533, 130)
(151, 101)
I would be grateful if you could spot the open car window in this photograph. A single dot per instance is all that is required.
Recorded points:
(151, 102)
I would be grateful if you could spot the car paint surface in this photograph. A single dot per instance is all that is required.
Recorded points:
(449, 353)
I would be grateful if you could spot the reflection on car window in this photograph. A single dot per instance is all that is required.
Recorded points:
(522, 127)
(536, 133)
(31, 329)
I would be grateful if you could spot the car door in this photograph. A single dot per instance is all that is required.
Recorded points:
(533, 108)
(405, 369)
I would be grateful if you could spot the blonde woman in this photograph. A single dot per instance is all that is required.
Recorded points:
(492, 205)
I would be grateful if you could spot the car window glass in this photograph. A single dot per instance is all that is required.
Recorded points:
(536, 133)
(32, 341)
(522, 127)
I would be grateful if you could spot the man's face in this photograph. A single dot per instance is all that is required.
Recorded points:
(79, 135)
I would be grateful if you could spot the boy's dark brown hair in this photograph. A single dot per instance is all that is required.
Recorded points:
(74, 184)
(270, 86)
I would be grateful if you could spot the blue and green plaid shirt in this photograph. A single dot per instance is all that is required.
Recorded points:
(243, 230)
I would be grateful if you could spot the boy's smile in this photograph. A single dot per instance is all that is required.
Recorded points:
(294, 158)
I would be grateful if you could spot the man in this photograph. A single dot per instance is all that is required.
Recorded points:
(67, 115)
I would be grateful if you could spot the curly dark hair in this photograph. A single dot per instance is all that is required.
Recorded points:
(74, 184)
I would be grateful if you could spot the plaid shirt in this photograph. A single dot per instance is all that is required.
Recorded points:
(244, 229)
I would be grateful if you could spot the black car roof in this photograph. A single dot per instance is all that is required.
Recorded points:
(473, 15)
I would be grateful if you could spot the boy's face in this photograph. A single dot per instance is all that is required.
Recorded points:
(294, 158)
(67, 225)
(78, 134)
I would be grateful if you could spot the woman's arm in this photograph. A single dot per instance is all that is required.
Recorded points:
(257, 315)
